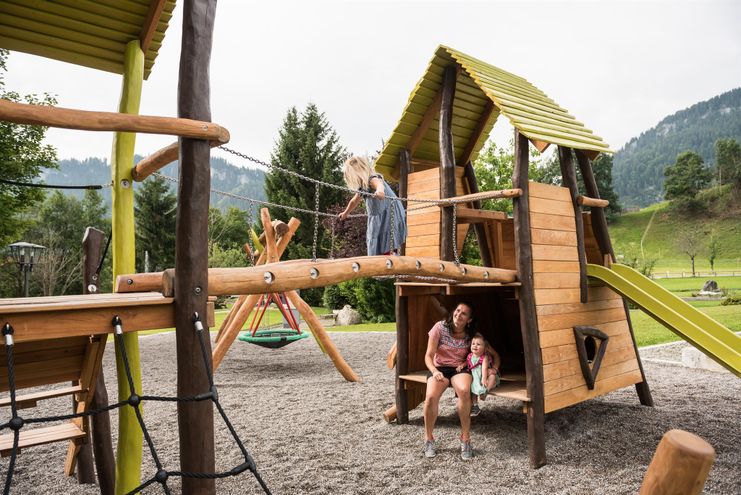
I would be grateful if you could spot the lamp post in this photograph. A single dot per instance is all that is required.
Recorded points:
(25, 254)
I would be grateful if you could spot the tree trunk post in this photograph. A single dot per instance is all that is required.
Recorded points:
(447, 161)
(568, 174)
(528, 320)
(405, 166)
(195, 419)
(479, 228)
(402, 356)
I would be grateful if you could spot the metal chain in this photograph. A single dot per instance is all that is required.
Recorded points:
(251, 257)
(392, 228)
(455, 235)
(332, 240)
(316, 221)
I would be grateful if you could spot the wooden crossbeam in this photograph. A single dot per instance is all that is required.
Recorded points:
(504, 193)
(66, 118)
(158, 160)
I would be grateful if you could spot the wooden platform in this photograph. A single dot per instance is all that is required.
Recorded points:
(446, 289)
(511, 387)
(46, 318)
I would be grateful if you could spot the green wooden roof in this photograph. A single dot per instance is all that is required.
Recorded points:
(479, 85)
(92, 33)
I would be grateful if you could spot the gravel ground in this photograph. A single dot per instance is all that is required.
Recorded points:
(309, 431)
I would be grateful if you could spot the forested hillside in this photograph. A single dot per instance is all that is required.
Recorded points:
(638, 170)
(225, 177)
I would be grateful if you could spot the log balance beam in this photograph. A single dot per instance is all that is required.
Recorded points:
(305, 274)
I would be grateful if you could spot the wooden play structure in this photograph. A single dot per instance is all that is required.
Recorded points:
(530, 321)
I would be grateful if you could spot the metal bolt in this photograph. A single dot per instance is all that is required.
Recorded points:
(197, 290)
(486, 274)
(442, 267)
(356, 266)
(129, 281)
(418, 264)
(389, 264)
(268, 277)
(125, 183)
(314, 273)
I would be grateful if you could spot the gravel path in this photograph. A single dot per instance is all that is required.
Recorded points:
(311, 432)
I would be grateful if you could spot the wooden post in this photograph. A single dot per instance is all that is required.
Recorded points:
(599, 227)
(599, 222)
(405, 166)
(102, 446)
(447, 161)
(568, 174)
(130, 437)
(528, 319)
(91, 246)
(402, 355)
(479, 228)
(680, 464)
(195, 419)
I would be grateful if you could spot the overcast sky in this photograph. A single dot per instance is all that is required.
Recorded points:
(618, 66)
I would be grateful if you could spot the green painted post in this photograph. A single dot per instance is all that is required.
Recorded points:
(129, 449)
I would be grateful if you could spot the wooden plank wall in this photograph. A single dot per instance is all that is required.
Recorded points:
(558, 307)
(45, 362)
(423, 224)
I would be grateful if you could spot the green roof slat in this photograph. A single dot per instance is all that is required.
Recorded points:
(55, 20)
(519, 116)
(518, 94)
(504, 86)
(32, 27)
(562, 135)
(63, 55)
(584, 132)
(80, 15)
(549, 115)
(571, 143)
(61, 44)
(116, 11)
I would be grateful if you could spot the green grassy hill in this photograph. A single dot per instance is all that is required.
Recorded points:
(659, 227)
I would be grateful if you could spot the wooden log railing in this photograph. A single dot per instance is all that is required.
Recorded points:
(304, 274)
(159, 159)
(592, 202)
(466, 198)
(66, 118)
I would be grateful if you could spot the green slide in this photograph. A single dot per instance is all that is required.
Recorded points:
(677, 315)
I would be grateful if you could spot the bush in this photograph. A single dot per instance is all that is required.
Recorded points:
(313, 296)
(337, 296)
(732, 300)
(375, 300)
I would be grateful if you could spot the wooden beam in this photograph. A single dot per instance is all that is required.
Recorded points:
(468, 214)
(150, 23)
(592, 202)
(303, 274)
(405, 168)
(139, 282)
(158, 160)
(541, 146)
(528, 318)
(476, 216)
(195, 419)
(402, 356)
(681, 464)
(447, 160)
(84, 120)
(568, 174)
(424, 125)
(478, 196)
(476, 134)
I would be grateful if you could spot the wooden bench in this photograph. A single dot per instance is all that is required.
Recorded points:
(39, 436)
(30, 400)
(512, 385)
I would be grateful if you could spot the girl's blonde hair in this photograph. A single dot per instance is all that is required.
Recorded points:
(357, 170)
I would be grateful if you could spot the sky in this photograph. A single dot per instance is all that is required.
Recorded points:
(617, 66)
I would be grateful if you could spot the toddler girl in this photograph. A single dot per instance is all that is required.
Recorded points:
(483, 363)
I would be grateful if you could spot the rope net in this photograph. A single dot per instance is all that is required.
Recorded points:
(161, 476)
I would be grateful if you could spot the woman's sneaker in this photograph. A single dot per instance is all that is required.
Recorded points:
(466, 451)
(430, 450)
(475, 410)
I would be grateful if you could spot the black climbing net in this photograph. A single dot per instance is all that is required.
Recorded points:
(161, 475)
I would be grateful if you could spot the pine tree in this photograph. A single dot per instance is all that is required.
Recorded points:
(686, 177)
(155, 211)
(308, 145)
(728, 162)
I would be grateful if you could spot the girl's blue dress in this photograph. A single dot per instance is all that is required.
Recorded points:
(380, 212)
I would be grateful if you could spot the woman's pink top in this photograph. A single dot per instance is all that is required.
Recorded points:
(451, 352)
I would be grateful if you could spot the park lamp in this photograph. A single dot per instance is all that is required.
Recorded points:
(25, 254)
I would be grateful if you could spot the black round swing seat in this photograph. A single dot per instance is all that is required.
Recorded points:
(273, 338)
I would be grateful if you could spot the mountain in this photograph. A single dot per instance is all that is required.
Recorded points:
(225, 177)
(638, 167)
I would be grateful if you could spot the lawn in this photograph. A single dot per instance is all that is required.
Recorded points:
(684, 287)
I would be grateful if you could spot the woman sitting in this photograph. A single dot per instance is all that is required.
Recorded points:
(447, 348)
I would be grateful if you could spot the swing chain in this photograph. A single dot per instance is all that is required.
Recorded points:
(316, 221)
(331, 246)
(455, 235)
(392, 227)
(250, 243)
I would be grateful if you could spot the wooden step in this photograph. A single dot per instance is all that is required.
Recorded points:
(30, 400)
(513, 385)
(40, 436)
